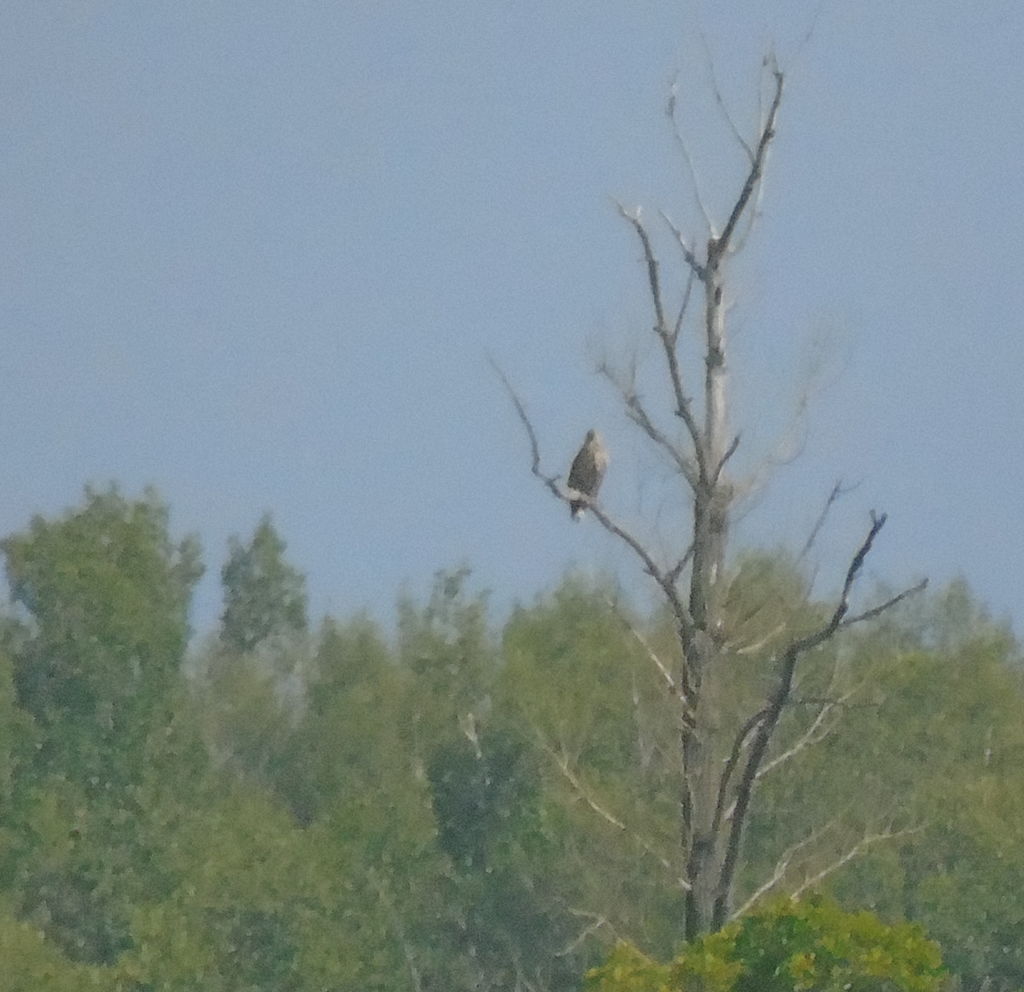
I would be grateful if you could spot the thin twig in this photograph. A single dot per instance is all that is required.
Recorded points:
(667, 586)
(643, 642)
(834, 494)
(888, 604)
(597, 924)
(729, 452)
(668, 340)
(866, 841)
(636, 412)
(786, 664)
(563, 766)
(682, 308)
(781, 867)
(812, 735)
(688, 254)
(721, 243)
(677, 569)
(671, 108)
(720, 101)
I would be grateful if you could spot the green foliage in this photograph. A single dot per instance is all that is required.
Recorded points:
(628, 970)
(450, 809)
(812, 946)
(447, 649)
(32, 964)
(264, 596)
(585, 694)
(107, 596)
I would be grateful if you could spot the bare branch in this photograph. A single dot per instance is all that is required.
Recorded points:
(666, 675)
(730, 764)
(670, 111)
(865, 842)
(640, 417)
(786, 662)
(888, 604)
(651, 567)
(739, 242)
(653, 278)
(816, 732)
(550, 481)
(688, 254)
(665, 335)
(597, 923)
(837, 490)
(682, 308)
(842, 607)
(720, 101)
(677, 569)
(583, 793)
(636, 412)
(781, 867)
(721, 244)
(729, 452)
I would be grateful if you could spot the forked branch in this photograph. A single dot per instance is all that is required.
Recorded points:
(721, 244)
(669, 336)
(781, 867)
(786, 664)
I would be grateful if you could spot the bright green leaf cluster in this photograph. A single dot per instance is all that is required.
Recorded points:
(812, 946)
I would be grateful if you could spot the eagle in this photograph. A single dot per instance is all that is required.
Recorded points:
(588, 468)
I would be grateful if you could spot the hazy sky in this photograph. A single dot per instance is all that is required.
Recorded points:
(256, 255)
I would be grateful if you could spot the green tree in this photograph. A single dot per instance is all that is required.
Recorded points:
(106, 594)
(788, 947)
(264, 596)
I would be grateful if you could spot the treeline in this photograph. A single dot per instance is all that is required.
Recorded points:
(295, 807)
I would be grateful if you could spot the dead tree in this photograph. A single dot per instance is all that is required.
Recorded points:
(719, 772)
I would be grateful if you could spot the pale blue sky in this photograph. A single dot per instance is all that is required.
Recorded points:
(255, 254)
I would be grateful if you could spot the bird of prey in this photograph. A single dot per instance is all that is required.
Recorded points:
(588, 468)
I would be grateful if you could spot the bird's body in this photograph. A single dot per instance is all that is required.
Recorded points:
(588, 468)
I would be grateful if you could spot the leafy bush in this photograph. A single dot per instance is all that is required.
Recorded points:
(788, 947)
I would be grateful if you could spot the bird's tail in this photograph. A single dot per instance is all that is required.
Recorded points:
(576, 508)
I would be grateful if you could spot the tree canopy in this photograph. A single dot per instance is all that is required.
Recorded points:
(455, 803)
